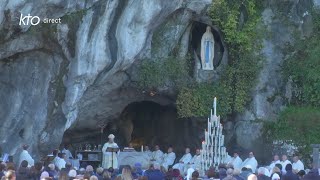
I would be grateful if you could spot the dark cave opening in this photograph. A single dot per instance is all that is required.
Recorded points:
(144, 123)
(149, 123)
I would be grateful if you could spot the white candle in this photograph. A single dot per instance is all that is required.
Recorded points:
(215, 106)
(141, 148)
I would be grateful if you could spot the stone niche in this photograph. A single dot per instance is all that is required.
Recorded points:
(197, 31)
(145, 123)
(219, 60)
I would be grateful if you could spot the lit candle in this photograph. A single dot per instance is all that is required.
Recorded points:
(141, 148)
(215, 106)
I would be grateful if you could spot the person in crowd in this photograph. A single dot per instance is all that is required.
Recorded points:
(2, 168)
(60, 162)
(222, 171)
(245, 172)
(154, 172)
(284, 163)
(63, 175)
(252, 177)
(157, 155)
(275, 176)
(301, 174)
(276, 160)
(262, 174)
(106, 175)
(99, 173)
(93, 177)
(10, 175)
(236, 161)
(26, 156)
(86, 175)
(44, 175)
(109, 159)
(89, 169)
(313, 174)
(289, 174)
(126, 174)
(68, 166)
(195, 175)
(236, 174)
(185, 159)
(72, 174)
(276, 170)
(229, 175)
(138, 169)
(251, 161)
(297, 165)
(168, 158)
(52, 171)
(23, 171)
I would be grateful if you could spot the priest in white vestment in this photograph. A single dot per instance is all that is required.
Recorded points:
(68, 154)
(276, 160)
(250, 162)
(284, 163)
(147, 152)
(59, 161)
(157, 155)
(168, 158)
(186, 158)
(297, 165)
(236, 161)
(110, 159)
(26, 156)
(194, 163)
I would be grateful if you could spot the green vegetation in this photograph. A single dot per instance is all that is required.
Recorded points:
(243, 41)
(299, 124)
(160, 72)
(300, 121)
(233, 90)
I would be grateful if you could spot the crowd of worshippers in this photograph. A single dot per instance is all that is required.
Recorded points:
(163, 167)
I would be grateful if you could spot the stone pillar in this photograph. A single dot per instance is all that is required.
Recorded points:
(315, 155)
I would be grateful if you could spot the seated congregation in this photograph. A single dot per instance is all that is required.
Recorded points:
(163, 166)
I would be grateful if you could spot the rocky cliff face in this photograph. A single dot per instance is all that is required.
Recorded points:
(53, 77)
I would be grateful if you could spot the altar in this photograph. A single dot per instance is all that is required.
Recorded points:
(131, 158)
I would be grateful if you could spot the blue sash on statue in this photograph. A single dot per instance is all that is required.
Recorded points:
(207, 53)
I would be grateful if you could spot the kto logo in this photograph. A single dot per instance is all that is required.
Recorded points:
(26, 20)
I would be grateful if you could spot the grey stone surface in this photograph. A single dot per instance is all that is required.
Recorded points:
(75, 75)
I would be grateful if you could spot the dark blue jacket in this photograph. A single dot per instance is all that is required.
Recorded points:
(290, 176)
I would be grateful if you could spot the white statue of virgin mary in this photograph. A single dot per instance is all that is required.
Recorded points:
(207, 50)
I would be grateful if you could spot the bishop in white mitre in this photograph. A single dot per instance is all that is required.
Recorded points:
(236, 161)
(186, 158)
(110, 159)
(26, 156)
(168, 158)
(250, 162)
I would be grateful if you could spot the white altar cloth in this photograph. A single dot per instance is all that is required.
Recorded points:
(131, 158)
